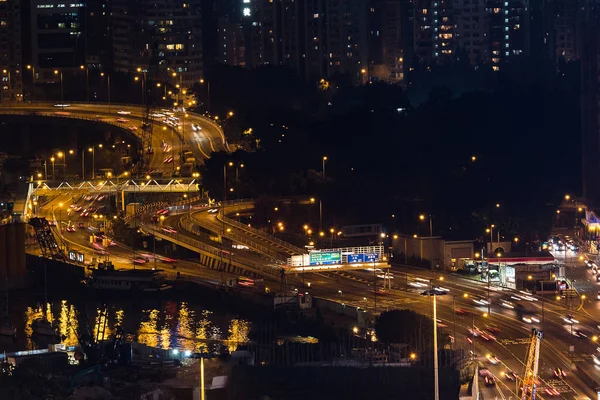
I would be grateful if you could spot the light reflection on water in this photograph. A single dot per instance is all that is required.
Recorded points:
(169, 324)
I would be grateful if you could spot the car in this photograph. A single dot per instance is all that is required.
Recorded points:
(122, 120)
(510, 375)
(486, 336)
(489, 380)
(169, 229)
(507, 304)
(139, 260)
(123, 112)
(481, 302)
(570, 320)
(578, 333)
(492, 359)
(460, 311)
(166, 259)
(70, 228)
(492, 329)
(440, 324)
(169, 159)
(530, 319)
(559, 373)
(62, 105)
(133, 128)
(81, 225)
(551, 391)
(483, 371)
(595, 359)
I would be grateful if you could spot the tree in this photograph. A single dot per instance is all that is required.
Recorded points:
(406, 327)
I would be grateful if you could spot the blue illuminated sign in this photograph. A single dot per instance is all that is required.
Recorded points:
(362, 258)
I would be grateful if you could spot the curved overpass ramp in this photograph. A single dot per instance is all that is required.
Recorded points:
(202, 142)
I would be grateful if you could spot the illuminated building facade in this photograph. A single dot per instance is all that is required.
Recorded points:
(315, 38)
(57, 37)
(11, 50)
(158, 36)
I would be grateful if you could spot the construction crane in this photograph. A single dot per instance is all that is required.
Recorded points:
(530, 373)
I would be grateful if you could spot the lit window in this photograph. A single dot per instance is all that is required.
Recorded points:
(246, 12)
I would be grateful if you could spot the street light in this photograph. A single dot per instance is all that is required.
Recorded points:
(87, 82)
(422, 217)
(62, 99)
(434, 292)
(108, 82)
(52, 159)
(32, 68)
(207, 94)
(324, 160)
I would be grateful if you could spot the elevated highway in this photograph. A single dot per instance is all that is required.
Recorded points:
(209, 138)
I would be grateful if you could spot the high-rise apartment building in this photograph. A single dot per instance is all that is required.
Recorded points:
(509, 30)
(315, 38)
(471, 32)
(563, 20)
(11, 58)
(230, 43)
(589, 50)
(484, 31)
(98, 34)
(161, 37)
(57, 37)
(386, 42)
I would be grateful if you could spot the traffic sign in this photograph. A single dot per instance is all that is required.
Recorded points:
(325, 257)
(362, 258)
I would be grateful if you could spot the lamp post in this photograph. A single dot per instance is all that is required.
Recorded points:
(57, 72)
(422, 217)
(52, 159)
(87, 82)
(93, 151)
(137, 78)
(324, 161)
(230, 164)
(207, 94)
(434, 292)
(62, 156)
(108, 82)
(32, 68)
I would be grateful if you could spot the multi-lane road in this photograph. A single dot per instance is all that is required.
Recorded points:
(564, 345)
(457, 311)
(202, 142)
